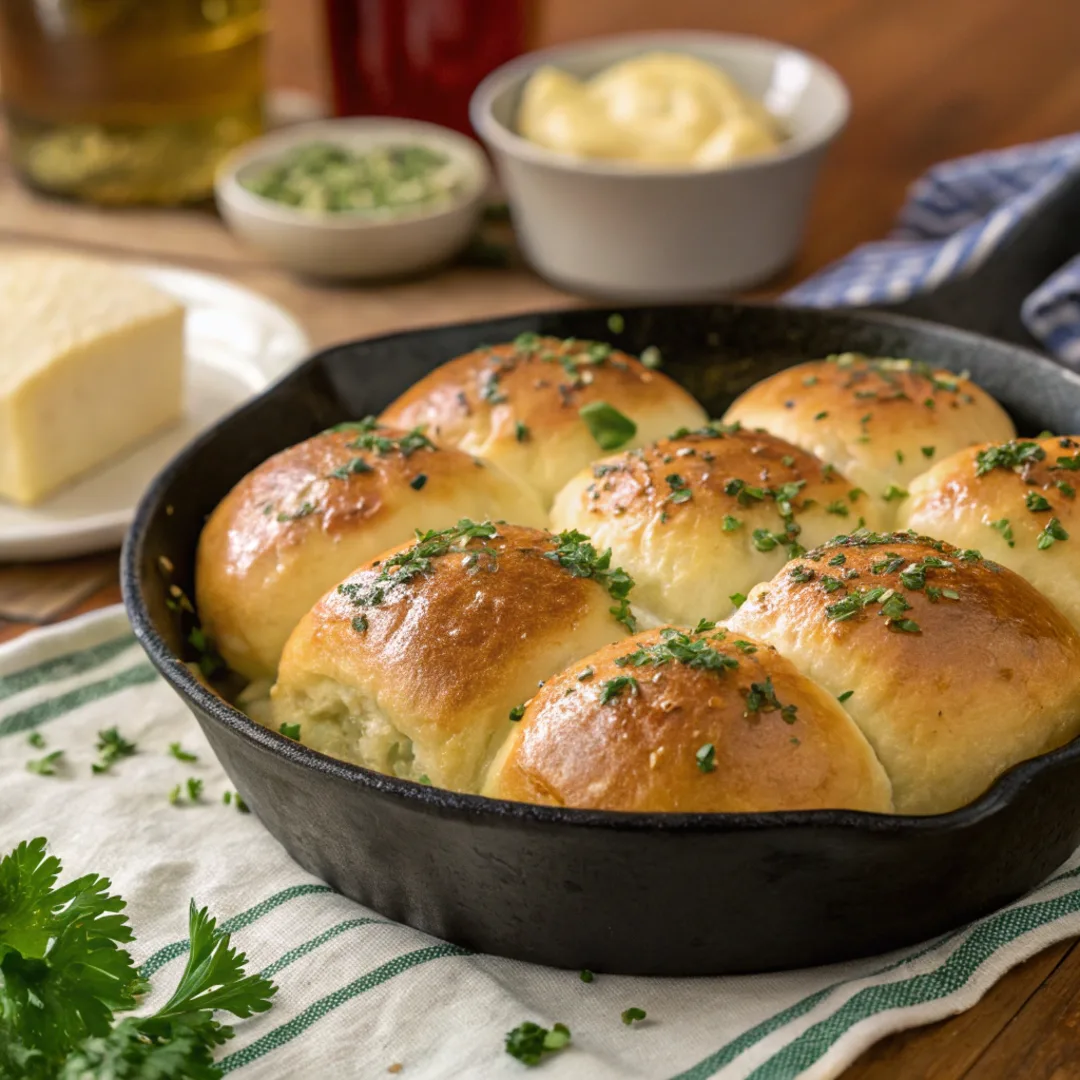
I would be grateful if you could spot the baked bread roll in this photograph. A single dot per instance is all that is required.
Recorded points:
(954, 668)
(1017, 503)
(305, 518)
(708, 514)
(413, 664)
(542, 408)
(694, 721)
(881, 422)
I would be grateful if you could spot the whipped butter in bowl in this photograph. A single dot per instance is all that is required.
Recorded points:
(660, 108)
(660, 166)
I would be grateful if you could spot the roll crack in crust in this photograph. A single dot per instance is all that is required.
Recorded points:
(305, 518)
(707, 514)
(413, 664)
(518, 405)
(954, 668)
(688, 720)
(1015, 501)
(880, 421)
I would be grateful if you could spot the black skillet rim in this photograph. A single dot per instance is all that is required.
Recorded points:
(439, 800)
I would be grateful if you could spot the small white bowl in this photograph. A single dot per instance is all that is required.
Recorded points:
(640, 232)
(353, 245)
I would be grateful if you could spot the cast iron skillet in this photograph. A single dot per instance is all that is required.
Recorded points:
(652, 894)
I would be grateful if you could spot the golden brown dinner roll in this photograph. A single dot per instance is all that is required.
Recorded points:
(688, 720)
(881, 422)
(1017, 503)
(954, 667)
(415, 662)
(305, 518)
(543, 408)
(707, 514)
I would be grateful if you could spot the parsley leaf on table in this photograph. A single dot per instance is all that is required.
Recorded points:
(63, 975)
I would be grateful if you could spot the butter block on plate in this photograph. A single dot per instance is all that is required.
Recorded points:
(91, 362)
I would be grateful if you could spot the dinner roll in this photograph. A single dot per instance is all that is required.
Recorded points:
(707, 514)
(305, 518)
(1017, 503)
(881, 422)
(543, 408)
(681, 720)
(954, 667)
(414, 663)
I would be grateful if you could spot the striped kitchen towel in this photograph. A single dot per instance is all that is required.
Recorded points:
(359, 994)
(955, 217)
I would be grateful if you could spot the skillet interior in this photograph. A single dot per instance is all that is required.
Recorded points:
(632, 893)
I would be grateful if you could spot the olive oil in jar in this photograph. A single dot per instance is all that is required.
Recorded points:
(129, 101)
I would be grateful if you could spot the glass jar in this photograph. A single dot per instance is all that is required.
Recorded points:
(130, 101)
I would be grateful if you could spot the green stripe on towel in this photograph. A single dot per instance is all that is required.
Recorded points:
(63, 667)
(50, 709)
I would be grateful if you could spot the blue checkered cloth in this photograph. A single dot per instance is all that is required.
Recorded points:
(955, 217)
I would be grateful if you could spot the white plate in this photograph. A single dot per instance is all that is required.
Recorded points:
(236, 344)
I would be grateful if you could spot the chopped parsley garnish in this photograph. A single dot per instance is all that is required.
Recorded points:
(586, 976)
(801, 574)
(913, 576)
(651, 357)
(517, 712)
(352, 467)
(704, 626)
(745, 493)
(614, 687)
(761, 698)
(632, 1014)
(194, 788)
(838, 507)
(731, 523)
(844, 696)
(831, 584)
(528, 1042)
(290, 731)
(360, 623)
(609, 427)
(489, 387)
(616, 323)
(36, 740)
(899, 457)
(1036, 503)
(586, 673)
(927, 451)
(401, 568)
(1071, 463)
(746, 647)
(1065, 488)
(521, 431)
(821, 415)
(180, 753)
(1002, 526)
(418, 481)
(577, 554)
(424, 779)
(706, 758)
(305, 509)
(111, 747)
(838, 559)
(234, 797)
(738, 599)
(45, 766)
(680, 490)
(894, 492)
(1054, 531)
(406, 444)
(1008, 455)
(847, 607)
(682, 648)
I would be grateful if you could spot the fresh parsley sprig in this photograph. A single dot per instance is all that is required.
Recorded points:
(64, 975)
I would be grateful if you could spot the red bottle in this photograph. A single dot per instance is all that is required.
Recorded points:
(419, 58)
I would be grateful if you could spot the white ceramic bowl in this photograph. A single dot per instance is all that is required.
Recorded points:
(639, 232)
(353, 245)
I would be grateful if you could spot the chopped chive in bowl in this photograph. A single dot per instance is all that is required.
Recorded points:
(327, 178)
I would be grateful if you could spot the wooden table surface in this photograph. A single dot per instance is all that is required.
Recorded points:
(929, 78)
